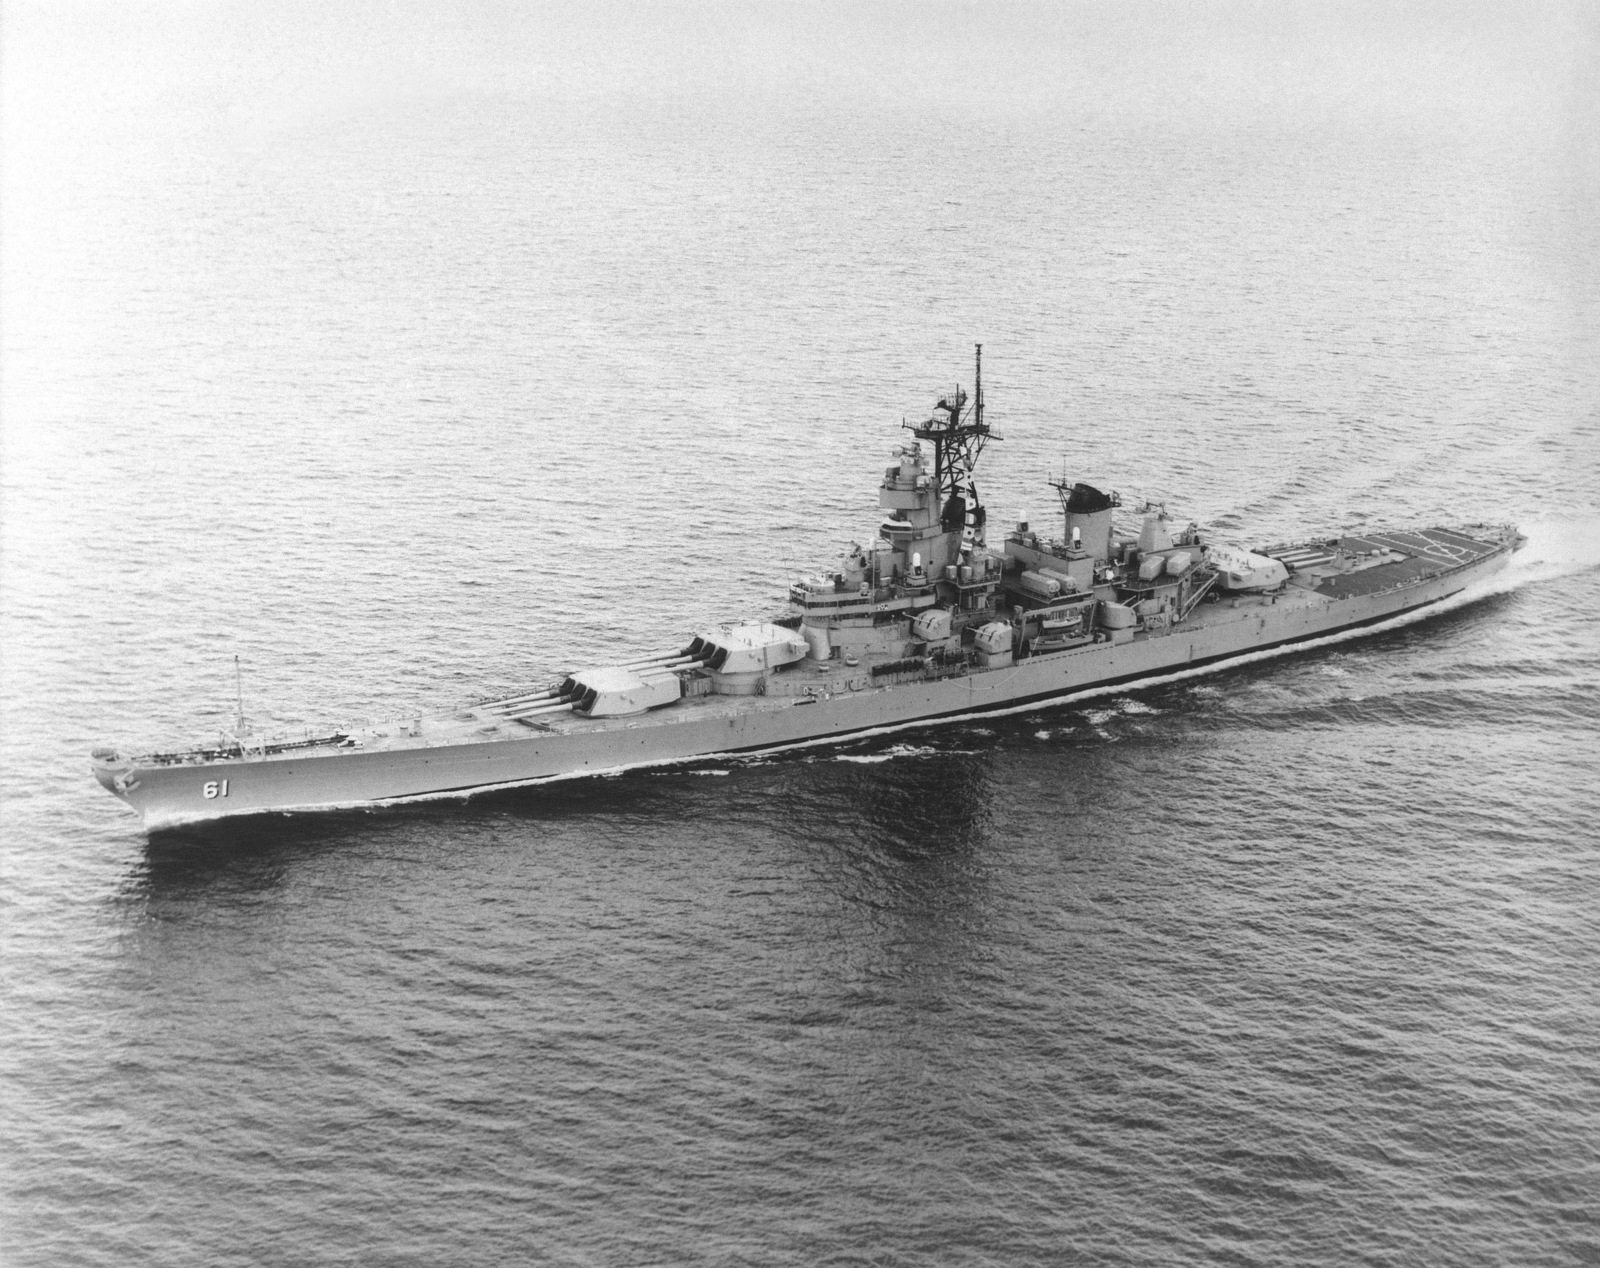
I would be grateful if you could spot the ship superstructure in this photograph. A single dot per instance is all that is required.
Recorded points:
(928, 622)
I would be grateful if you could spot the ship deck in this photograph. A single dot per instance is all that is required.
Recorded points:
(1427, 552)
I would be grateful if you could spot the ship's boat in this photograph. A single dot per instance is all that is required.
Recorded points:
(930, 622)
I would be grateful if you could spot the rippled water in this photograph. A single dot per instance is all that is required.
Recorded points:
(406, 360)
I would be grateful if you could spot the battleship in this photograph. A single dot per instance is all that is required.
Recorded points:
(926, 624)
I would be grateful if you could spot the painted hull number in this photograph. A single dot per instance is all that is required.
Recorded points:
(215, 788)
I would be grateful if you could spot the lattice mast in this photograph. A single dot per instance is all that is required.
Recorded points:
(958, 438)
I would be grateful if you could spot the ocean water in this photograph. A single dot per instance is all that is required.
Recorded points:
(408, 353)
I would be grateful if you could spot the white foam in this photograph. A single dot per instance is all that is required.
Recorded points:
(900, 750)
(1557, 547)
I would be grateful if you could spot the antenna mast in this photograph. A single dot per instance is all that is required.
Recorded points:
(238, 687)
(977, 389)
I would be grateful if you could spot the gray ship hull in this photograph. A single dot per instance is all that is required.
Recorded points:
(423, 766)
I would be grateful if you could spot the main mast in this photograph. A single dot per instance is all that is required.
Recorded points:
(958, 438)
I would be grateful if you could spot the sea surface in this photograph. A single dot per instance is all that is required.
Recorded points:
(406, 352)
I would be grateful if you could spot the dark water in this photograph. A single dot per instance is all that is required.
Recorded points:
(407, 357)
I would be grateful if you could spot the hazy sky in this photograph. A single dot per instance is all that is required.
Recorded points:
(274, 64)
